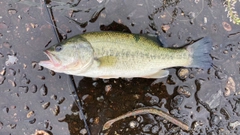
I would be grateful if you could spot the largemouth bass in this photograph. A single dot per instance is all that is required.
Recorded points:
(116, 54)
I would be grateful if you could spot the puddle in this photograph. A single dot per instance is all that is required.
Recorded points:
(33, 98)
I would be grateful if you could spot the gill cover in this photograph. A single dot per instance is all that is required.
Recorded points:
(72, 55)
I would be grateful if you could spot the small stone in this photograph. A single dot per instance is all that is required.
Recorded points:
(12, 11)
(54, 97)
(3, 71)
(2, 78)
(3, 26)
(30, 114)
(147, 128)
(205, 20)
(210, 93)
(55, 110)
(214, 119)
(34, 88)
(177, 101)
(220, 75)
(165, 28)
(60, 100)
(153, 99)
(11, 72)
(23, 89)
(237, 108)
(226, 26)
(12, 83)
(183, 73)
(34, 63)
(12, 126)
(7, 45)
(133, 124)
(184, 91)
(1, 125)
(46, 105)
(230, 87)
(41, 77)
(83, 131)
(41, 132)
(46, 124)
(32, 121)
(5, 109)
(155, 129)
(43, 90)
(11, 60)
(233, 125)
(52, 72)
(108, 88)
(25, 81)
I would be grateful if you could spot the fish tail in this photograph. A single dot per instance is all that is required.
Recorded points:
(200, 52)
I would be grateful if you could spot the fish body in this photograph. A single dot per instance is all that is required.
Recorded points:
(116, 54)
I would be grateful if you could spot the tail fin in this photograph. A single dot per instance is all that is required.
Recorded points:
(200, 51)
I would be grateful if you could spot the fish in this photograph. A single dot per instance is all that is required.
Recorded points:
(123, 55)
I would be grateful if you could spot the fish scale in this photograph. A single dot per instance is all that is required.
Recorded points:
(116, 54)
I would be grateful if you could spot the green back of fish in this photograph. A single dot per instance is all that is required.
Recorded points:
(133, 50)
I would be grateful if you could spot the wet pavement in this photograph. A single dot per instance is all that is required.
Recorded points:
(33, 98)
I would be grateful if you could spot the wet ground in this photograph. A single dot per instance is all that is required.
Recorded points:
(33, 98)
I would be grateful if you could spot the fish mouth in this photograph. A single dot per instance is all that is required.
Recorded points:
(53, 60)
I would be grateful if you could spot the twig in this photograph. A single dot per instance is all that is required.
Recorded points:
(147, 110)
(74, 92)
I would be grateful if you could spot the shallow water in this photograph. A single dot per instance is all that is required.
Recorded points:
(32, 97)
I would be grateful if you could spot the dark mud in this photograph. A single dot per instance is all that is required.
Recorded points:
(33, 98)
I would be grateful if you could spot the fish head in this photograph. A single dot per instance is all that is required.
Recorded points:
(72, 55)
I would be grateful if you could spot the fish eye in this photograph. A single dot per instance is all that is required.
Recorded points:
(58, 48)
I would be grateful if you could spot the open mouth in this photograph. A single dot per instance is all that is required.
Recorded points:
(53, 60)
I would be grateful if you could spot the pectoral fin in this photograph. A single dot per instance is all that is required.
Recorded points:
(107, 61)
(159, 74)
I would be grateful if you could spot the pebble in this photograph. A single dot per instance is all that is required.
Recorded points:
(237, 108)
(11, 72)
(233, 125)
(55, 110)
(43, 90)
(12, 11)
(147, 128)
(30, 114)
(83, 131)
(12, 83)
(34, 88)
(46, 105)
(41, 132)
(177, 101)
(183, 73)
(220, 75)
(32, 121)
(165, 28)
(2, 78)
(226, 26)
(12, 126)
(11, 60)
(184, 91)
(155, 129)
(1, 125)
(210, 93)
(60, 100)
(153, 99)
(7, 45)
(5, 109)
(23, 89)
(133, 124)
(230, 87)
(108, 88)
